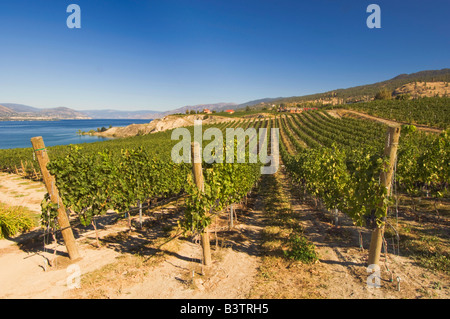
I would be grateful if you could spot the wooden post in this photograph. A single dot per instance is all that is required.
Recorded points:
(23, 167)
(231, 217)
(50, 184)
(390, 150)
(140, 213)
(198, 179)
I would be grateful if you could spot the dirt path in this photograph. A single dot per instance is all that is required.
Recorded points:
(17, 191)
(342, 112)
(235, 262)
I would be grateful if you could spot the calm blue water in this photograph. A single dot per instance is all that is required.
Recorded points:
(17, 134)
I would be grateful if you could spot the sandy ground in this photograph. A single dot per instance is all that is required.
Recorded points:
(16, 191)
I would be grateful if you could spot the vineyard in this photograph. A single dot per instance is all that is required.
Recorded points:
(330, 166)
(430, 111)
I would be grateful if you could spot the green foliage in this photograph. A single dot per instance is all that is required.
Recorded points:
(13, 220)
(301, 249)
(423, 161)
(158, 144)
(224, 184)
(403, 96)
(345, 175)
(343, 163)
(431, 111)
(95, 177)
(49, 213)
(90, 184)
(345, 181)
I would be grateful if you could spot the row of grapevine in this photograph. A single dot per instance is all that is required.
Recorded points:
(91, 183)
(351, 186)
(159, 144)
(430, 111)
(343, 169)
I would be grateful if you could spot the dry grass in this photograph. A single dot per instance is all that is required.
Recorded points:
(140, 253)
(424, 234)
(279, 277)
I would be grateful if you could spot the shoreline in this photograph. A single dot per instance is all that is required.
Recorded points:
(17, 134)
(24, 119)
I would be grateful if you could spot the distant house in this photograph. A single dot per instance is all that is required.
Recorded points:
(207, 111)
(295, 110)
(229, 111)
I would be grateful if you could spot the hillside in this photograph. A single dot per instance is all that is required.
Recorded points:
(20, 108)
(149, 114)
(5, 110)
(423, 89)
(116, 114)
(166, 123)
(200, 107)
(10, 111)
(367, 92)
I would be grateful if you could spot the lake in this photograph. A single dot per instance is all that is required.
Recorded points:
(17, 134)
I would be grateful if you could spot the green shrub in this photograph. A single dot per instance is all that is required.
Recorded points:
(301, 249)
(14, 219)
(383, 94)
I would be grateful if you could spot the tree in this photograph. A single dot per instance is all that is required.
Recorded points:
(383, 94)
(405, 96)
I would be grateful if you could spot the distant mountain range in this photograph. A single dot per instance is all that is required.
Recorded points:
(368, 91)
(200, 107)
(115, 114)
(10, 111)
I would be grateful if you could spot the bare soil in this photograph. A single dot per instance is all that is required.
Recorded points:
(424, 89)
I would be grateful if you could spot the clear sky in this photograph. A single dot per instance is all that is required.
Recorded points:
(160, 55)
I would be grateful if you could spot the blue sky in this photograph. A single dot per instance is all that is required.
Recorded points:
(160, 55)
